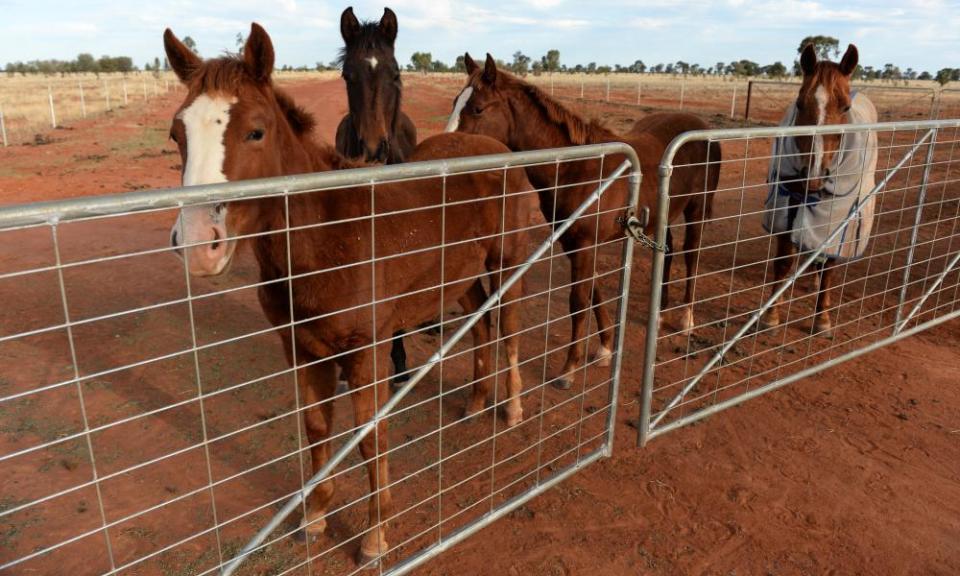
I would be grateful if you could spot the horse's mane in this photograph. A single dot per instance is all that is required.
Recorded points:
(578, 130)
(369, 38)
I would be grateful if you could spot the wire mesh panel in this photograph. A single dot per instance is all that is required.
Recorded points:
(850, 272)
(153, 422)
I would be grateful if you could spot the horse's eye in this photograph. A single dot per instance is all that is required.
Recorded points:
(846, 109)
(255, 136)
(477, 110)
(173, 136)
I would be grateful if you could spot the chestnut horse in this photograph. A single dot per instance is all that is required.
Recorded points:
(235, 125)
(523, 117)
(375, 128)
(816, 181)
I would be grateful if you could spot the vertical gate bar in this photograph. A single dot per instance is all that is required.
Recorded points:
(733, 102)
(435, 358)
(76, 377)
(921, 199)
(656, 279)
(627, 259)
(200, 403)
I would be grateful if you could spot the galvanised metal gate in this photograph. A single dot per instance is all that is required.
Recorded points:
(906, 281)
(152, 425)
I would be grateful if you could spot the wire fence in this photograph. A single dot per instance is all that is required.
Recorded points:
(870, 269)
(151, 423)
(31, 105)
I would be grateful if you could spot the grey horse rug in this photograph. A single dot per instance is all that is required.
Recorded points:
(813, 216)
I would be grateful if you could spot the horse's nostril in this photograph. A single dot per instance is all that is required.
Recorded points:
(216, 239)
(173, 239)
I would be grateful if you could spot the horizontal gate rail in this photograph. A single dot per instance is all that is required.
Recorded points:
(151, 423)
(911, 255)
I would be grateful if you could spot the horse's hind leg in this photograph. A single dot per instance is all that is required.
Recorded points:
(692, 241)
(398, 354)
(665, 280)
(821, 323)
(581, 274)
(786, 256)
(482, 358)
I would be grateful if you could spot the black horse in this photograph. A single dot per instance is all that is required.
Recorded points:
(375, 129)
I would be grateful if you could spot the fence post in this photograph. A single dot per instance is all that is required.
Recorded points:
(921, 198)
(581, 87)
(53, 114)
(144, 89)
(3, 128)
(608, 88)
(639, 91)
(106, 93)
(166, 85)
(733, 101)
(551, 83)
(125, 101)
(746, 112)
(83, 103)
(683, 89)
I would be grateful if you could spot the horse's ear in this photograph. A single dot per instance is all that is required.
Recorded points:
(490, 70)
(388, 25)
(258, 53)
(469, 63)
(850, 60)
(808, 59)
(349, 25)
(182, 59)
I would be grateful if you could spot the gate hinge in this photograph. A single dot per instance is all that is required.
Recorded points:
(633, 226)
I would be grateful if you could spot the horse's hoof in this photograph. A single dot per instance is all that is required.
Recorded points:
(823, 331)
(514, 417)
(603, 357)
(686, 321)
(562, 383)
(470, 413)
(367, 561)
(398, 381)
(767, 323)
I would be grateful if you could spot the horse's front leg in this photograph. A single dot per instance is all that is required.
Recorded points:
(786, 256)
(369, 392)
(821, 323)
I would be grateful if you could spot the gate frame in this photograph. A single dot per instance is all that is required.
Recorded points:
(52, 213)
(648, 431)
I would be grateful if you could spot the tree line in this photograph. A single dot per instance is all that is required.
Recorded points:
(827, 47)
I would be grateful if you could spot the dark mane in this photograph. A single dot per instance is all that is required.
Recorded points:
(578, 130)
(301, 121)
(368, 38)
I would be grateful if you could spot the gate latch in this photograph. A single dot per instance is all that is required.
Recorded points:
(634, 228)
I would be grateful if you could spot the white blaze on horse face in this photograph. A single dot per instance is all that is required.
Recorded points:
(821, 97)
(373, 62)
(461, 102)
(205, 122)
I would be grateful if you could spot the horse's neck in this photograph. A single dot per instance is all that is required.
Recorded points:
(545, 133)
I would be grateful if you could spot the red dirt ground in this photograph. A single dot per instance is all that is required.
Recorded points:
(853, 471)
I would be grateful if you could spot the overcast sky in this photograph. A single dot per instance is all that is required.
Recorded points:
(922, 34)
